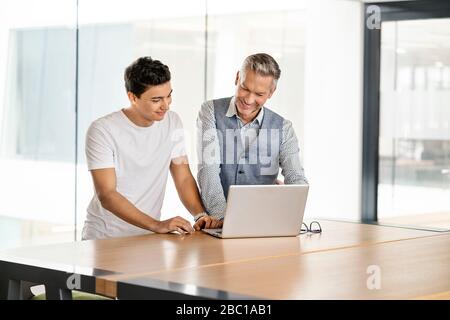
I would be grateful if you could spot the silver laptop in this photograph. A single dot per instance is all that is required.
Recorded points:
(263, 211)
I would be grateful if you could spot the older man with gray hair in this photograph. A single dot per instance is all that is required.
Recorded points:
(241, 141)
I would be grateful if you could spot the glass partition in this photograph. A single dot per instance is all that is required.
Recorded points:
(37, 121)
(414, 145)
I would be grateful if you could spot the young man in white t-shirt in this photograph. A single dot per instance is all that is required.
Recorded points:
(129, 154)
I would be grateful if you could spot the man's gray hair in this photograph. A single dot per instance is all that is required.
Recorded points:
(262, 64)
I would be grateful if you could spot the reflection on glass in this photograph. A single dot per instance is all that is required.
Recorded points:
(414, 148)
(37, 122)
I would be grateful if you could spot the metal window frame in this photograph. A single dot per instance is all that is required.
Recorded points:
(389, 11)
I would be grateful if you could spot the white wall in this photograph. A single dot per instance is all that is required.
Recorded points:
(333, 108)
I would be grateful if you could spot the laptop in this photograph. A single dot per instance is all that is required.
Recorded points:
(263, 211)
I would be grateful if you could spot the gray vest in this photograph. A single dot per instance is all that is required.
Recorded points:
(260, 164)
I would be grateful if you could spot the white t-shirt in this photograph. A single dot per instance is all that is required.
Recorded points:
(141, 157)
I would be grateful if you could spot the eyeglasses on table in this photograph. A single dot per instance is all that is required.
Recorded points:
(314, 227)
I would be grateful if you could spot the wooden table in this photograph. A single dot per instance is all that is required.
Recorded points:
(313, 266)
(408, 269)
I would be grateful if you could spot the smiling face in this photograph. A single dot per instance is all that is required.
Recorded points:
(252, 92)
(153, 104)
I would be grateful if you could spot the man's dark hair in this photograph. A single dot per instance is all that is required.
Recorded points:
(144, 73)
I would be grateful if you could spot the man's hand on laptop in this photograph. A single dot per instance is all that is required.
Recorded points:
(178, 224)
(208, 222)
